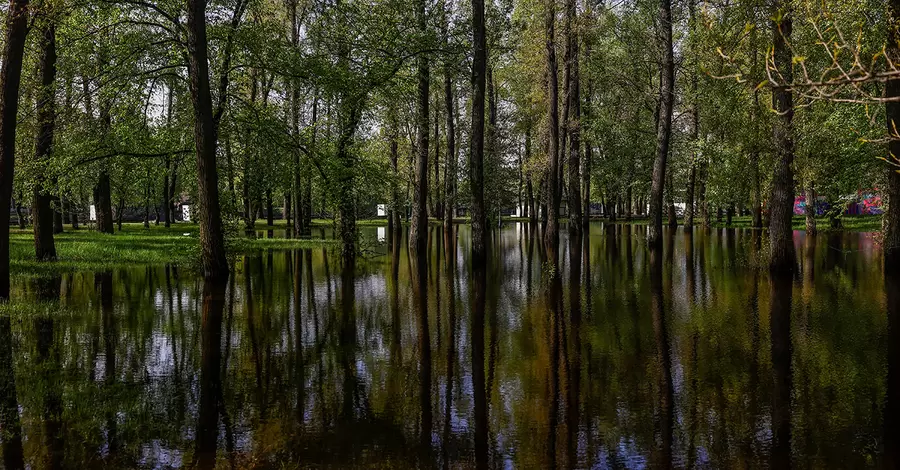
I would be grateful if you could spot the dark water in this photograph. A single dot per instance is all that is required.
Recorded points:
(690, 358)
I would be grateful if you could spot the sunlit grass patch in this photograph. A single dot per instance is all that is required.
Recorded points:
(88, 250)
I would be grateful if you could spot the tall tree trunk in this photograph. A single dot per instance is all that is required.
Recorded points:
(286, 209)
(436, 192)
(756, 210)
(450, 170)
(892, 110)
(810, 196)
(42, 211)
(295, 127)
(689, 208)
(476, 159)
(74, 215)
(103, 203)
(394, 222)
(270, 208)
(780, 231)
(664, 123)
(10, 77)
(166, 197)
(552, 232)
(212, 239)
(529, 185)
(573, 123)
(418, 229)
(587, 164)
(670, 202)
(307, 184)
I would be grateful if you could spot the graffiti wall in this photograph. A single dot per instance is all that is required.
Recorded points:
(862, 203)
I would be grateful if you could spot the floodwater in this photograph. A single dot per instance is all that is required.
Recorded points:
(611, 358)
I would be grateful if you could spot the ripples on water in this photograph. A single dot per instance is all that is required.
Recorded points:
(692, 357)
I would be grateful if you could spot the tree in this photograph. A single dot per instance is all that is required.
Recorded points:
(418, 229)
(44, 246)
(664, 123)
(476, 158)
(10, 77)
(553, 184)
(782, 198)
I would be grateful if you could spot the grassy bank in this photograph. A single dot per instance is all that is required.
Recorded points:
(133, 245)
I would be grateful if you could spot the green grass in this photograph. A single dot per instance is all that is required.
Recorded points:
(85, 249)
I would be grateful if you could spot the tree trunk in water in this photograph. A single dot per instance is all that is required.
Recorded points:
(418, 228)
(270, 208)
(10, 78)
(394, 221)
(780, 231)
(664, 124)
(551, 237)
(450, 170)
(670, 202)
(573, 123)
(810, 197)
(306, 207)
(286, 209)
(212, 239)
(436, 202)
(757, 191)
(476, 159)
(628, 206)
(892, 90)
(42, 212)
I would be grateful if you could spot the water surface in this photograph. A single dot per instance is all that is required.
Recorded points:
(690, 358)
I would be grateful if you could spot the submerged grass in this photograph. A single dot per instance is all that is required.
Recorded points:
(87, 250)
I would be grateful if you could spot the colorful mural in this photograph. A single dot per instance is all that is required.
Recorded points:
(866, 202)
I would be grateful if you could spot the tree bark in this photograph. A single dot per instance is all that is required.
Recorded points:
(395, 224)
(664, 123)
(689, 209)
(10, 78)
(42, 210)
(103, 203)
(418, 229)
(529, 186)
(450, 170)
(476, 160)
(670, 202)
(810, 212)
(270, 208)
(552, 231)
(573, 123)
(892, 107)
(212, 239)
(780, 231)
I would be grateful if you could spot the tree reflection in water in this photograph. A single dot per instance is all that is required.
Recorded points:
(611, 356)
